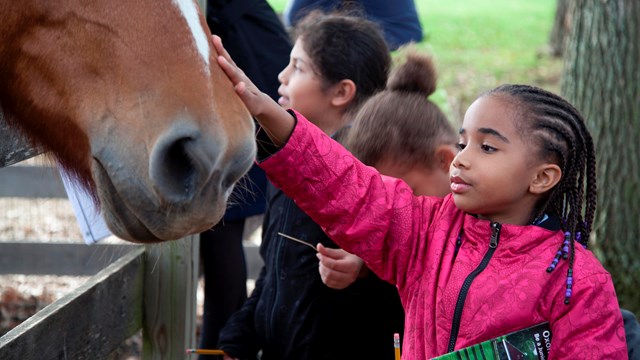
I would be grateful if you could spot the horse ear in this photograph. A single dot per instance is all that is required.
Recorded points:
(343, 93)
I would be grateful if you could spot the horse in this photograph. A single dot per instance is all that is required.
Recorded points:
(128, 98)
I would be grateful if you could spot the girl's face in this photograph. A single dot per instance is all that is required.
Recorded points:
(492, 172)
(301, 88)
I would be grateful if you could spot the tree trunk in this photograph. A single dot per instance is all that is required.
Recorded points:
(561, 27)
(601, 77)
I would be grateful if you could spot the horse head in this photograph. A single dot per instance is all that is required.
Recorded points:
(128, 97)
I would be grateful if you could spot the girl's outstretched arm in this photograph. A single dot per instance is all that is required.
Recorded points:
(275, 120)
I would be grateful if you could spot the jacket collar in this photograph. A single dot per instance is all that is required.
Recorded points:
(514, 239)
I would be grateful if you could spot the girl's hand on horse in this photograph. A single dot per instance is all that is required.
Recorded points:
(276, 121)
(249, 93)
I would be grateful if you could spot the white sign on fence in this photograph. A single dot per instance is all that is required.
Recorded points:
(89, 217)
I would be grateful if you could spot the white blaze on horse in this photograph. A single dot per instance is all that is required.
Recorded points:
(128, 97)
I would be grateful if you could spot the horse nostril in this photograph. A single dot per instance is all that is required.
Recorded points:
(179, 172)
(181, 163)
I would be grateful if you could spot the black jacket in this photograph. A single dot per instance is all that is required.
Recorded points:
(291, 314)
(258, 42)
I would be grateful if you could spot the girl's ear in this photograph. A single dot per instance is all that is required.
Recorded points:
(547, 176)
(444, 157)
(343, 93)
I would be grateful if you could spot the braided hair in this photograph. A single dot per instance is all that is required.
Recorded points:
(558, 131)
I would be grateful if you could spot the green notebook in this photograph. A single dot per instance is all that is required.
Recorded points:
(532, 343)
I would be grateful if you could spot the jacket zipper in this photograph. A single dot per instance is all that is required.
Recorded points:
(455, 326)
(284, 226)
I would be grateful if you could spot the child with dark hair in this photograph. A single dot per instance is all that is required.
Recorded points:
(337, 62)
(337, 49)
(418, 146)
(506, 250)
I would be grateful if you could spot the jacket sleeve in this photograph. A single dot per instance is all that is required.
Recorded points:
(591, 326)
(373, 216)
(632, 332)
(238, 337)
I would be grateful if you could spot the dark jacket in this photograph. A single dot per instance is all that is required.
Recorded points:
(257, 41)
(291, 314)
(632, 332)
(398, 19)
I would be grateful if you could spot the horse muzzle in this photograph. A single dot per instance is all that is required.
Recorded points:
(183, 190)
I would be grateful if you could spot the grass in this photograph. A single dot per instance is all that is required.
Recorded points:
(479, 44)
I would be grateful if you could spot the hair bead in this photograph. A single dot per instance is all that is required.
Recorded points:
(555, 261)
(568, 291)
(565, 245)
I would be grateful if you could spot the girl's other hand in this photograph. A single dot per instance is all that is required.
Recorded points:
(227, 357)
(338, 268)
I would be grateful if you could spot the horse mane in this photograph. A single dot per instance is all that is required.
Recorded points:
(29, 114)
(66, 154)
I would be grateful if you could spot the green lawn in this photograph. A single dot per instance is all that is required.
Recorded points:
(479, 44)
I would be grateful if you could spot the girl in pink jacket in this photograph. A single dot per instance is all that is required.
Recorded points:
(506, 250)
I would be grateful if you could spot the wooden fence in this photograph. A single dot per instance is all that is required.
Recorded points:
(132, 287)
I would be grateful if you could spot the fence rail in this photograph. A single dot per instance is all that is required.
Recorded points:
(88, 323)
(150, 287)
(132, 287)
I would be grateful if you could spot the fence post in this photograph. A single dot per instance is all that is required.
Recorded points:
(169, 314)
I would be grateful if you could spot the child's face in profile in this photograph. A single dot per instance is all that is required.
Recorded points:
(300, 86)
(494, 168)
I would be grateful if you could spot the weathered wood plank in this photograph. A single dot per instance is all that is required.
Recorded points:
(171, 281)
(57, 258)
(13, 145)
(88, 323)
(80, 259)
(253, 260)
(31, 182)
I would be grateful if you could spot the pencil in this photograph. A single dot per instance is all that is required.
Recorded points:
(205, 352)
(396, 345)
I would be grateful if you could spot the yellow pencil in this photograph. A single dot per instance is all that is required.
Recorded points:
(205, 352)
(396, 345)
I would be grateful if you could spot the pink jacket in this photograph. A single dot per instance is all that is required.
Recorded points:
(410, 241)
